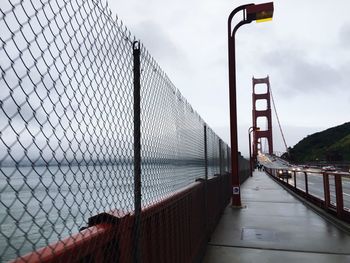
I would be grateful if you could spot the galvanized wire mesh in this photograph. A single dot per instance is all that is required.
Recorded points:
(213, 142)
(66, 120)
(66, 129)
(172, 135)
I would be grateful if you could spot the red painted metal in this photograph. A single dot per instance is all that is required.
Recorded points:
(88, 244)
(257, 134)
(173, 229)
(236, 195)
(339, 194)
(327, 197)
(338, 209)
(236, 198)
(306, 183)
(250, 130)
(250, 151)
(260, 11)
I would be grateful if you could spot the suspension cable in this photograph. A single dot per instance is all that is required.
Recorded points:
(265, 140)
(278, 120)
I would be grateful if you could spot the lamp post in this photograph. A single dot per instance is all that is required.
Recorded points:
(251, 12)
(250, 148)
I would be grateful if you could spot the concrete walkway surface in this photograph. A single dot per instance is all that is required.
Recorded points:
(274, 226)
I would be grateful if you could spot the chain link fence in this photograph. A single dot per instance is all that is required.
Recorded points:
(66, 123)
(172, 141)
(66, 120)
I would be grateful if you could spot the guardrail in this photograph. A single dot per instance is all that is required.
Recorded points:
(175, 229)
(329, 190)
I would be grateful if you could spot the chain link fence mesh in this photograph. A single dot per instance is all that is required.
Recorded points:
(213, 142)
(66, 123)
(172, 141)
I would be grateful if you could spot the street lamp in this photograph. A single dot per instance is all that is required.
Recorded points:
(250, 148)
(251, 12)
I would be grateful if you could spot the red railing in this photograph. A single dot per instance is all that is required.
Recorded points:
(329, 190)
(175, 229)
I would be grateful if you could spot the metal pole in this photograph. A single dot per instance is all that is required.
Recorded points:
(137, 152)
(306, 184)
(206, 180)
(236, 195)
(250, 152)
(339, 195)
(228, 158)
(220, 157)
(205, 152)
(327, 196)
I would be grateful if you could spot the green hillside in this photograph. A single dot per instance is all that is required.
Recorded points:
(332, 144)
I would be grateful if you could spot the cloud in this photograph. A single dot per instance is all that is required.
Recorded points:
(159, 43)
(344, 35)
(302, 74)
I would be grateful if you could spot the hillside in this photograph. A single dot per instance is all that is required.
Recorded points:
(330, 145)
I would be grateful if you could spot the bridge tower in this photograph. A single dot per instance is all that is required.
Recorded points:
(262, 113)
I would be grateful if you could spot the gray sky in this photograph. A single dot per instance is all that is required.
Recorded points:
(305, 51)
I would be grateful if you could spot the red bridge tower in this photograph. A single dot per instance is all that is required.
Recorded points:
(262, 113)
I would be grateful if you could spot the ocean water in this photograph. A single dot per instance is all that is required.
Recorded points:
(40, 205)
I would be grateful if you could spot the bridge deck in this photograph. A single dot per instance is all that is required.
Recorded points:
(275, 227)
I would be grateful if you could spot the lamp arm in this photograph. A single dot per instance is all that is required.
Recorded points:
(232, 14)
(241, 23)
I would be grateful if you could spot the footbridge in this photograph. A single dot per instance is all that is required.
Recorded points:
(274, 225)
(102, 159)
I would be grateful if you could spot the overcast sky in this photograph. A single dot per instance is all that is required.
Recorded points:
(305, 51)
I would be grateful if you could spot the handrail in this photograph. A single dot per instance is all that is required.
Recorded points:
(330, 195)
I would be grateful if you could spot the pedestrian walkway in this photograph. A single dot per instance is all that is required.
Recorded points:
(274, 226)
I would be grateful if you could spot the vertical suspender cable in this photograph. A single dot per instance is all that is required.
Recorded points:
(278, 121)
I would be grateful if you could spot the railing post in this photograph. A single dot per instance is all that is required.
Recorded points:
(220, 157)
(326, 190)
(137, 152)
(295, 179)
(228, 159)
(339, 194)
(205, 153)
(228, 187)
(306, 184)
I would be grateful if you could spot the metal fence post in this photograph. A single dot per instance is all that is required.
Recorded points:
(306, 184)
(339, 194)
(220, 157)
(228, 188)
(206, 183)
(327, 197)
(137, 152)
(205, 152)
(228, 159)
